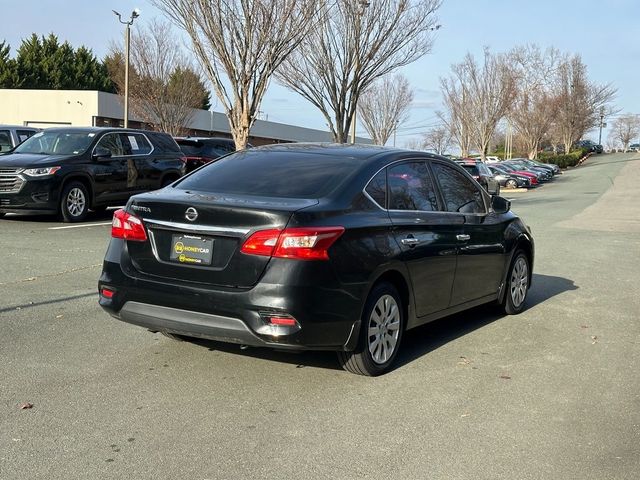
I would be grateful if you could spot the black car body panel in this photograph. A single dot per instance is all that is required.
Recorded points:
(440, 261)
(110, 180)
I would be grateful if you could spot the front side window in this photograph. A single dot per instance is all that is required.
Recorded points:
(24, 134)
(460, 194)
(411, 187)
(113, 143)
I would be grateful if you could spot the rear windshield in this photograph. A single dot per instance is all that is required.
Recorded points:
(272, 174)
(472, 170)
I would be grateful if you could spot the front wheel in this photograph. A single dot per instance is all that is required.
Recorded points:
(517, 284)
(380, 333)
(511, 183)
(74, 202)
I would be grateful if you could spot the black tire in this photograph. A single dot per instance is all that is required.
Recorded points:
(517, 285)
(74, 202)
(371, 357)
(2, 214)
(511, 183)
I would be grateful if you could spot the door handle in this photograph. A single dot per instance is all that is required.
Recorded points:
(463, 237)
(410, 241)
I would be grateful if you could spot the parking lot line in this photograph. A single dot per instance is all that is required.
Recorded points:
(79, 226)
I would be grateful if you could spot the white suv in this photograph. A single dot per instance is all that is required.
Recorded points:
(11, 136)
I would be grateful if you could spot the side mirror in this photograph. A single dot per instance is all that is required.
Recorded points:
(101, 152)
(500, 204)
(493, 188)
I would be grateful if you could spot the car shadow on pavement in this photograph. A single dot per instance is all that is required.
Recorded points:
(429, 337)
(418, 341)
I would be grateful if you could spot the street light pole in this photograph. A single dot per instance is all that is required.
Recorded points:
(601, 125)
(362, 5)
(127, 45)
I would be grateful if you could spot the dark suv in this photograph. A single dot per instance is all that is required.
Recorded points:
(71, 170)
(201, 150)
(481, 173)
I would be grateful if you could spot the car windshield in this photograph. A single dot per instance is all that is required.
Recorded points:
(270, 174)
(57, 143)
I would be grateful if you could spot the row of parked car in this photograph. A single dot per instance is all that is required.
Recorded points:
(514, 173)
(70, 171)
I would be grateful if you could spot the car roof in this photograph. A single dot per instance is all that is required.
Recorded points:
(21, 127)
(98, 130)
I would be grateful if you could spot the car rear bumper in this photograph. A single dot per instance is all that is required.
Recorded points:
(328, 317)
(185, 322)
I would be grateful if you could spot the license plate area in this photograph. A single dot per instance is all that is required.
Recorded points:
(191, 250)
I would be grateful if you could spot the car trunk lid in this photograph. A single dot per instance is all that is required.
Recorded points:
(197, 237)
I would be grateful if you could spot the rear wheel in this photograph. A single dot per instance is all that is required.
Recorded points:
(517, 284)
(74, 202)
(380, 333)
(2, 214)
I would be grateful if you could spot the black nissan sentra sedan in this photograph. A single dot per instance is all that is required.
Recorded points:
(315, 246)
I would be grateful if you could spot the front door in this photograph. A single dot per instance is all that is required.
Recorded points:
(426, 236)
(480, 243)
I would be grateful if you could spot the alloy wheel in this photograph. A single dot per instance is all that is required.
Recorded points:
(519, 281)
(76, 202)
(384, 329)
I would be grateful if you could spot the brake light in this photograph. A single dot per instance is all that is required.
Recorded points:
(128, 227)
(295, 243)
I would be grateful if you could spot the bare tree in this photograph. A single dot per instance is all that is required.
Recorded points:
(384, 105)
(438, 139)
(579, 102)
(164, 87)
(535, 105)
(625, 129)
(413, 144)
(240, 43)
(478, 97)
(356, 43)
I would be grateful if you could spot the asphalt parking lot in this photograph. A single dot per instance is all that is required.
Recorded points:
(551, 393)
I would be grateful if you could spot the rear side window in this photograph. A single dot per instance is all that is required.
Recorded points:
(138, 144)
(272, 174)
(164, 142)
(411, 187)
(377, 189)
(472, 169)
(460, 194)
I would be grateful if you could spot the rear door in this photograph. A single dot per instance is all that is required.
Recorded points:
(480, 242)
(141, 172)
(426, 236)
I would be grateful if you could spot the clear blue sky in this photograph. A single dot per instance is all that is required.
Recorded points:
(605, 33)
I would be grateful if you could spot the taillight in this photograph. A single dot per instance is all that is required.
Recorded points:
(128, 227)
(296, 243)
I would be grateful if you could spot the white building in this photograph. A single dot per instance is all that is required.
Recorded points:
(86, 108)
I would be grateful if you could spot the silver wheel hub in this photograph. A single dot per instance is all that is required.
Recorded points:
(76, 202)
(519, 281)
(384, 329)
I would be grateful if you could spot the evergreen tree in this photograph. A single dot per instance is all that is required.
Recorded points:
(8, 77)
(45, 63)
